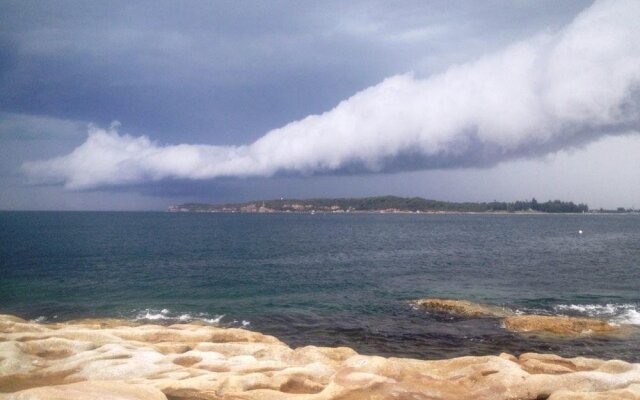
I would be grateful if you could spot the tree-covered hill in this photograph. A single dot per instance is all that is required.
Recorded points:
(384, 204)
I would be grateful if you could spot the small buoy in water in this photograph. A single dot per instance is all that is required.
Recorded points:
(580, 232)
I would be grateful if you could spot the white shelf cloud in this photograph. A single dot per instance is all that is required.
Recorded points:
(553, 91)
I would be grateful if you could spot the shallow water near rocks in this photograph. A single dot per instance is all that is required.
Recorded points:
(331, 279)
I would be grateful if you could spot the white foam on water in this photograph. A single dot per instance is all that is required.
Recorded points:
(243, 324)
(616, 313)
(150, 316)
(166, 315)
(213, 320)
(41, 318)
(631, 317)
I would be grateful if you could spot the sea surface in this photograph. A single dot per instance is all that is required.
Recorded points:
(329, 279)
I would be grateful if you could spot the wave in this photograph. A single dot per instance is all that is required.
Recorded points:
(166, 315)
(616, 313)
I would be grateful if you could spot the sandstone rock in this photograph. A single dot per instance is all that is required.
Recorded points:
(559, 325)
(94, 390)
(95, 360)
(630, 393)
(463, 308)
(11, 318)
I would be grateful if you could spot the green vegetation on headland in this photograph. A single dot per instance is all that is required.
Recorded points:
(384, 204)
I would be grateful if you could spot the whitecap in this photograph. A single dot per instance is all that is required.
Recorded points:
(166, 315)
(630, 317)
(617, 313)
(150, 315)
(215, 320)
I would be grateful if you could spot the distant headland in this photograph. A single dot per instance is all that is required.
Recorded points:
(383, 204)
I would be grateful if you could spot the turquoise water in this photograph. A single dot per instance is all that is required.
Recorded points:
(330, 279)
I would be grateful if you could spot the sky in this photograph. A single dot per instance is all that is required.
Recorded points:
(140, 105)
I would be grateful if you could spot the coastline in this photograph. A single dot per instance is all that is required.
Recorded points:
(121, 359)
(392, 212)
(384, 204)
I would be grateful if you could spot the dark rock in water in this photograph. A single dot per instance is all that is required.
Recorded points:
(463, 308)
(559, 325)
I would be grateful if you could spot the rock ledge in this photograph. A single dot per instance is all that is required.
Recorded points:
(118, 360)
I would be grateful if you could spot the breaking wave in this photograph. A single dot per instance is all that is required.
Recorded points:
(166, 315)
(616, 313)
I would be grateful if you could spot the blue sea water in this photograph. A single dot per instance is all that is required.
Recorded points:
(331, 279)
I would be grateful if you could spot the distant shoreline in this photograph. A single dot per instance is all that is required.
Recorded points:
(392, 205)
(505, 213)
(384, 212)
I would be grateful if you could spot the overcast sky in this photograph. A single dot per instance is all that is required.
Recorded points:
(114, 106)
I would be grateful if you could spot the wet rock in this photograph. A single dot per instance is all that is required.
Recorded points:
(559, 325)
(463, 308)
(556, 325)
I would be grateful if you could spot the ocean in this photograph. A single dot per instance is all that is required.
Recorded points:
(332, 280)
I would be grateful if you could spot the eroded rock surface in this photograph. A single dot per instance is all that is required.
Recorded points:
(112, 390)
(119, 360)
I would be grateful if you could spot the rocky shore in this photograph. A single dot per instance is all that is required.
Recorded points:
(119, 359)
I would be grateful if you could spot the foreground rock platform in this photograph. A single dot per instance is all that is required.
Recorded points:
(117, 360)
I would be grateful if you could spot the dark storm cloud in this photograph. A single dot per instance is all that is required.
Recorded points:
(225, 72)
(209, 68)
